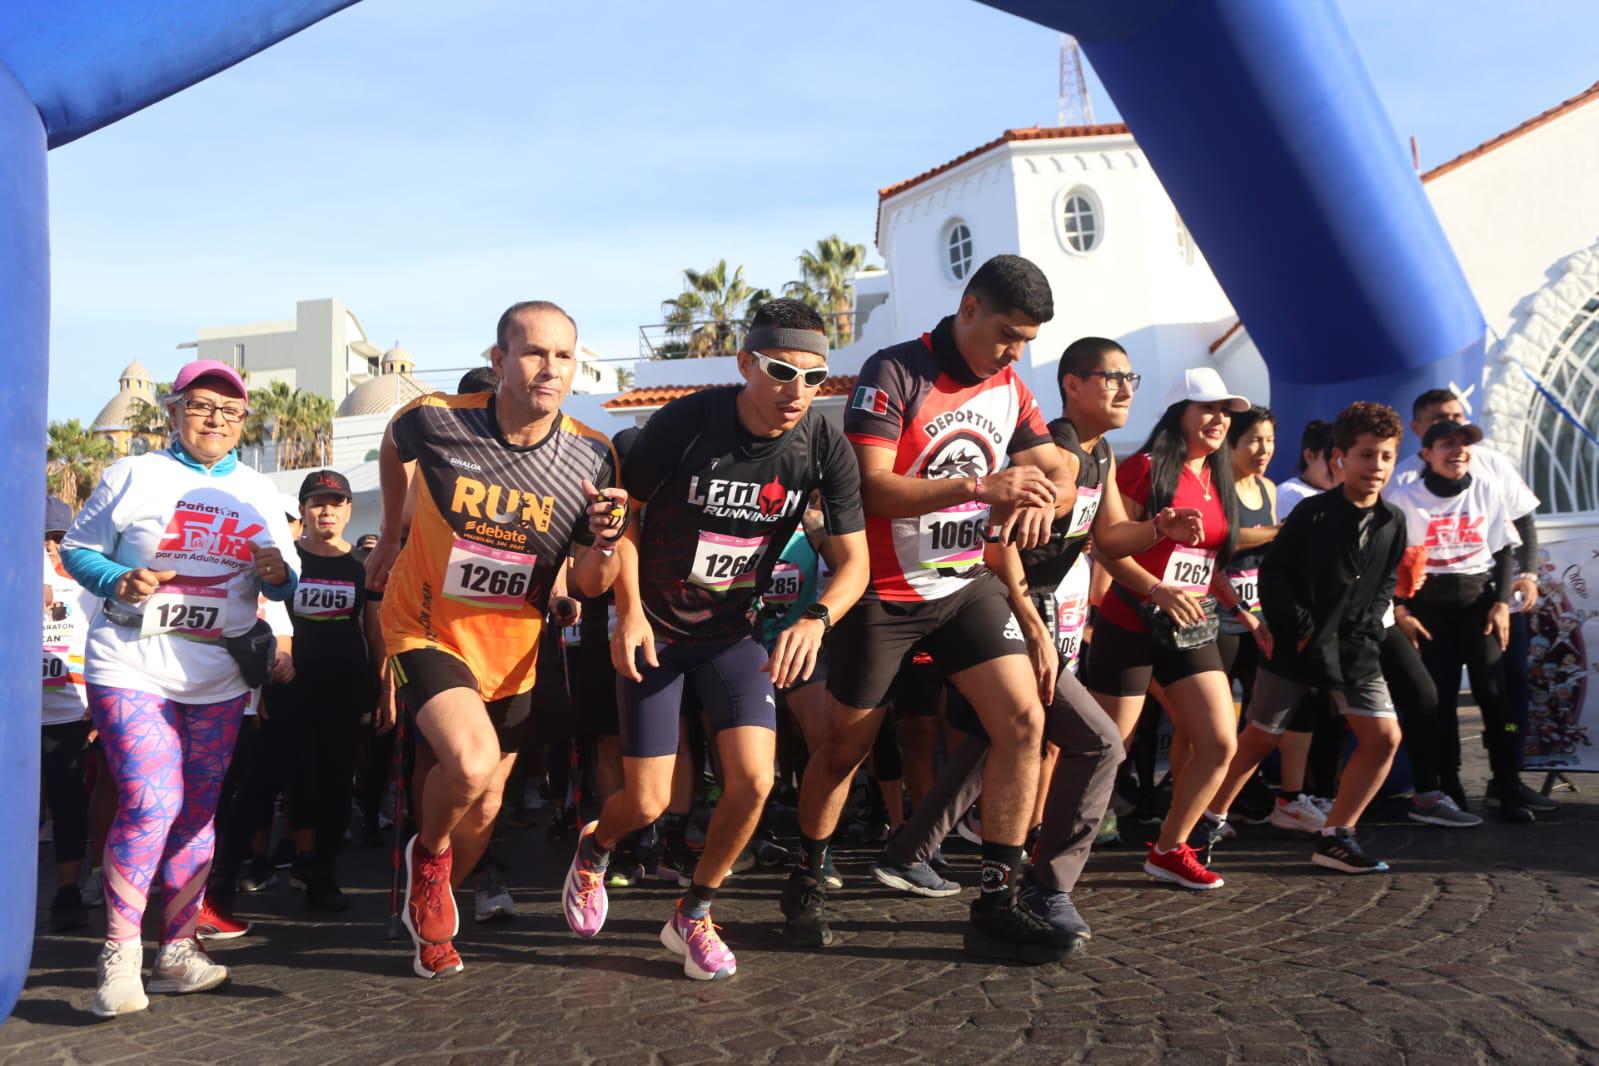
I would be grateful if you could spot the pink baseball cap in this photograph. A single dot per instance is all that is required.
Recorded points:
(209, 368)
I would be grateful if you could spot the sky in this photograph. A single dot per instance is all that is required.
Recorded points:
(430, 163)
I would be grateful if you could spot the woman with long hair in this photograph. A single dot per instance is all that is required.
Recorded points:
(179, 543)
(1158, 622)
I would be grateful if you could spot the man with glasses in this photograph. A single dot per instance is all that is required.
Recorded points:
(1084, 746)
(722, 477)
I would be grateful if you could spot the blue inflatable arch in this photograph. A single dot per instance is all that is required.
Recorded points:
(1257, 114)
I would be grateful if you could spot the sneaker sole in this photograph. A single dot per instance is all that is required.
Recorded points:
(210, 932)
(1343, 867)
(567, 890)
(1295, 826)
(427, 974)
(893, 880)
(674, 943)
(165, 984)
(405, 903)
(131, 1007)
(1161, 874)
(1428, 819)
(983, 945)
(803, 938)
(672, 877)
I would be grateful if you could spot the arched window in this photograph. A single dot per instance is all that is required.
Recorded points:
(958, 250)
(1080, 220)
(1563, 463)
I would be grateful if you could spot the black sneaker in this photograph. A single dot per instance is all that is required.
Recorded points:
(676, 867)
(1450, 786)
(1254, 804)
(67, 911)
(258, 875)
(300, 871)
(560, 825)
(1206, 835)
(322, 894)
(283, 855)
(1057, 911)
(1340, 851)
(1530, 798)
(805, 912)
(1011, 932)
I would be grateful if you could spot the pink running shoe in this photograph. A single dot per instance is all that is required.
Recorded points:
(583, 895)
(705, 956)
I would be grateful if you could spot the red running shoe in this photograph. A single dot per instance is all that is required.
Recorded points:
(1181, 866)
(437, 960)
(430, 915)
(211, 925)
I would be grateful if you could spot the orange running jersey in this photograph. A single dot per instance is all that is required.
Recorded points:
(492, 525)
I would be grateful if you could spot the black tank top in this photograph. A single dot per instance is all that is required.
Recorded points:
(1242, 566)
(1047, 565)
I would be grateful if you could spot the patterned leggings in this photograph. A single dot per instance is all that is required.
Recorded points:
(168, 760)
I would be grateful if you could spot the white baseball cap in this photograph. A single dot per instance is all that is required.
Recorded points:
(1203, 385)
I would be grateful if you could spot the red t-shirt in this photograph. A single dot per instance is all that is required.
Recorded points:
(1186, 566)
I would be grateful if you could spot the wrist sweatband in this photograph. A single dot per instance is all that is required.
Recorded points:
(793, 340)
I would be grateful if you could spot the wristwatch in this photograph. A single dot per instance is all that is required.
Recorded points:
(820, 612)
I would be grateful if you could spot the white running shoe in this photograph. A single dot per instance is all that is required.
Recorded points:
(1302, 814)
(1323, 804)
(183, 966)
(94, 888)
(119, 989)
(492, 901)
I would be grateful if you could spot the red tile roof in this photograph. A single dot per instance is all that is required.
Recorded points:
(1586, 96)
(1216, 344)
(1031, 133)
(837, 385)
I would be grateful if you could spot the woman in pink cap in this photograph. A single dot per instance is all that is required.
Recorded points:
(179, 543)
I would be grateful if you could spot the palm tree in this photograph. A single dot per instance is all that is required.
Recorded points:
(306, 431)
(708, 314)
(74, 460)
(264, 424)
(827, 276)
(149, 420)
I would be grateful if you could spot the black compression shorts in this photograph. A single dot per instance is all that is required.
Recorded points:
(866, 648)
(1123, 662)
(425, 672)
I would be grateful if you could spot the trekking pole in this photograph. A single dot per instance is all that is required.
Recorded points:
(563, 613)
(396, 929)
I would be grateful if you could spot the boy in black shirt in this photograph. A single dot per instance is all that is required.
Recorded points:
(1325, 584)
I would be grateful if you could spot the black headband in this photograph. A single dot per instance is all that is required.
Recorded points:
(793, 340)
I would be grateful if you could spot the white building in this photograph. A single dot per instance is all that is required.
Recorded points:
(322, 350)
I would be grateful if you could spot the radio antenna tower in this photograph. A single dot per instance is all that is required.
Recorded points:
(1075, 107)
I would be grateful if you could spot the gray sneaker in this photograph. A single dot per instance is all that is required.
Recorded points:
(919, 879)
(1436, 808)
(1056, 910)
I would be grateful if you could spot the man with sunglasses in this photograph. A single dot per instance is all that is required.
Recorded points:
(722, 477)
(1096, 391)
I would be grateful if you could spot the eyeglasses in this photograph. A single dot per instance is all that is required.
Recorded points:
(783, 373)
(230, 413)
(1114, 379)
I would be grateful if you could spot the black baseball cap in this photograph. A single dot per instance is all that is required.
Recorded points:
(57, 516)
(325, 482)
(1439, 430)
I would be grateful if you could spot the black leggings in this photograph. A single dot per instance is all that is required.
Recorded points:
(1458, 640)
(63, 749)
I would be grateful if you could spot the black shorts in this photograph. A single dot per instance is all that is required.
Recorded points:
(972, 627)
(593, 687)
(1123, 662)
(917, 686)
(726, 678)
(425, 672)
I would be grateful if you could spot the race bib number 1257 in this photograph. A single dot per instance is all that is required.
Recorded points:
(192, 611)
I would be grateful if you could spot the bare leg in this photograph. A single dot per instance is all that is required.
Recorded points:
(918, 739)
(830, 769)
(471, 836)
(646, 792)
(1294, 751)
(1203, 705)
(1254, 744)
(608, 766)
(467, 751)
(749, 758)
(1377, 739)
(1046, 771)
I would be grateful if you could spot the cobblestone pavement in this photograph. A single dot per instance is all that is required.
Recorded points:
(1482, 945)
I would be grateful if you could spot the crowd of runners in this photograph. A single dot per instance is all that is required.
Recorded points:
(948, 615)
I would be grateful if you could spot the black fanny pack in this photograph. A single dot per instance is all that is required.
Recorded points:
(1166, 634)
(254, 651)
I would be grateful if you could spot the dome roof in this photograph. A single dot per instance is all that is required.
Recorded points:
(136, 387)
(381, 395)
(135, 372)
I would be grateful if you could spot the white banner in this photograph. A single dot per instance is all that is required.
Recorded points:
(1565, 647)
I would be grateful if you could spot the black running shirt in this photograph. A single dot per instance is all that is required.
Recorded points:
(1048, 564)
(720, 506)
(920, 400)
(329, 610)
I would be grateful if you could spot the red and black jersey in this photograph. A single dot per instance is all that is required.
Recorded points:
(720, 505)
(923, 402)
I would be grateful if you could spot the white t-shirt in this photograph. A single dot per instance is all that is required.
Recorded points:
(1291, 492)
(154, 511)
(1461, 533)
(1487, 466)
(66, 628)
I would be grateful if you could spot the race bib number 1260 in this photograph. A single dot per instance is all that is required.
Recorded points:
(723, 563)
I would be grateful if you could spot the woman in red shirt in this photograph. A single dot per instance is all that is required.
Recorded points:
(1185, 463)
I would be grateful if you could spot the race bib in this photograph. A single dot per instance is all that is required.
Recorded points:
(324, 601)
(1071, 617)
(1190, 569)
(952, 538)
(1246, 586)
(784, 588)
(1084, 510)
(572, 635)
(723, 563)
(55, 666)
(488, 577)
(190, 611)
